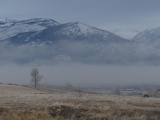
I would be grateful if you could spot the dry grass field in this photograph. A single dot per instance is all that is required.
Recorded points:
(24, 103)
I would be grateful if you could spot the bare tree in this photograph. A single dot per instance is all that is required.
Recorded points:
(35, 77)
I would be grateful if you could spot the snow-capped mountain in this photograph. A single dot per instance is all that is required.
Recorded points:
(77, 31)
(149, 37)
(48, 31)
(42, 40)
(47, 40)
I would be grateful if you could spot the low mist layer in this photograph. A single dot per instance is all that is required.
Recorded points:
(81, 63)
(81, 52)
(83, 74)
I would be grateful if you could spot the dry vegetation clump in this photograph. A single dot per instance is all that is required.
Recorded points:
(24, 114)
(67, 112)
(64, 112)
(129, 114)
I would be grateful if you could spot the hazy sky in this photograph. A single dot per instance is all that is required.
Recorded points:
(124, 17)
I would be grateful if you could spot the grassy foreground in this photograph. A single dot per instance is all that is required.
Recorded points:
(22, 103)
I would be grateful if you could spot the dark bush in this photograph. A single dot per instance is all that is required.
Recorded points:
(146, 95)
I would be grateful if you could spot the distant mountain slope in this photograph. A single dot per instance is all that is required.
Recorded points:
(78, 32)
(10, 28)
(149, 37)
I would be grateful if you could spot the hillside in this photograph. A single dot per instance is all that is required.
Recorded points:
(149, 37)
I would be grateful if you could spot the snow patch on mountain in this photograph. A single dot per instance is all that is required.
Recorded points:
(18, 28)
(81, 31)
(10, 28)
(40, 21)
(6, 20)
(81, 28)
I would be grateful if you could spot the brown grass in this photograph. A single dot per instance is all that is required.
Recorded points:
(21, 103)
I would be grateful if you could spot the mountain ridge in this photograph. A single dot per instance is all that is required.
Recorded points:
(47, 29)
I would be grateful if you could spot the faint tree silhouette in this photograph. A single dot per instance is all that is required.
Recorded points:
(35, 77)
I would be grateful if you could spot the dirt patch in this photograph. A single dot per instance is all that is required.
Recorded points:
(1, 111)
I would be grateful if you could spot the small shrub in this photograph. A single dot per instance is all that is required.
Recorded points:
(146, 95)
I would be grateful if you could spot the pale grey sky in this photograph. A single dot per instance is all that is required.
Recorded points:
(123, 17)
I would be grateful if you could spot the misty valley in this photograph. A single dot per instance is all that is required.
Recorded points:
(73, 71)
(38, 41)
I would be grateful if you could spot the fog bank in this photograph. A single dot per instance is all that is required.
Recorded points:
(82, 74)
